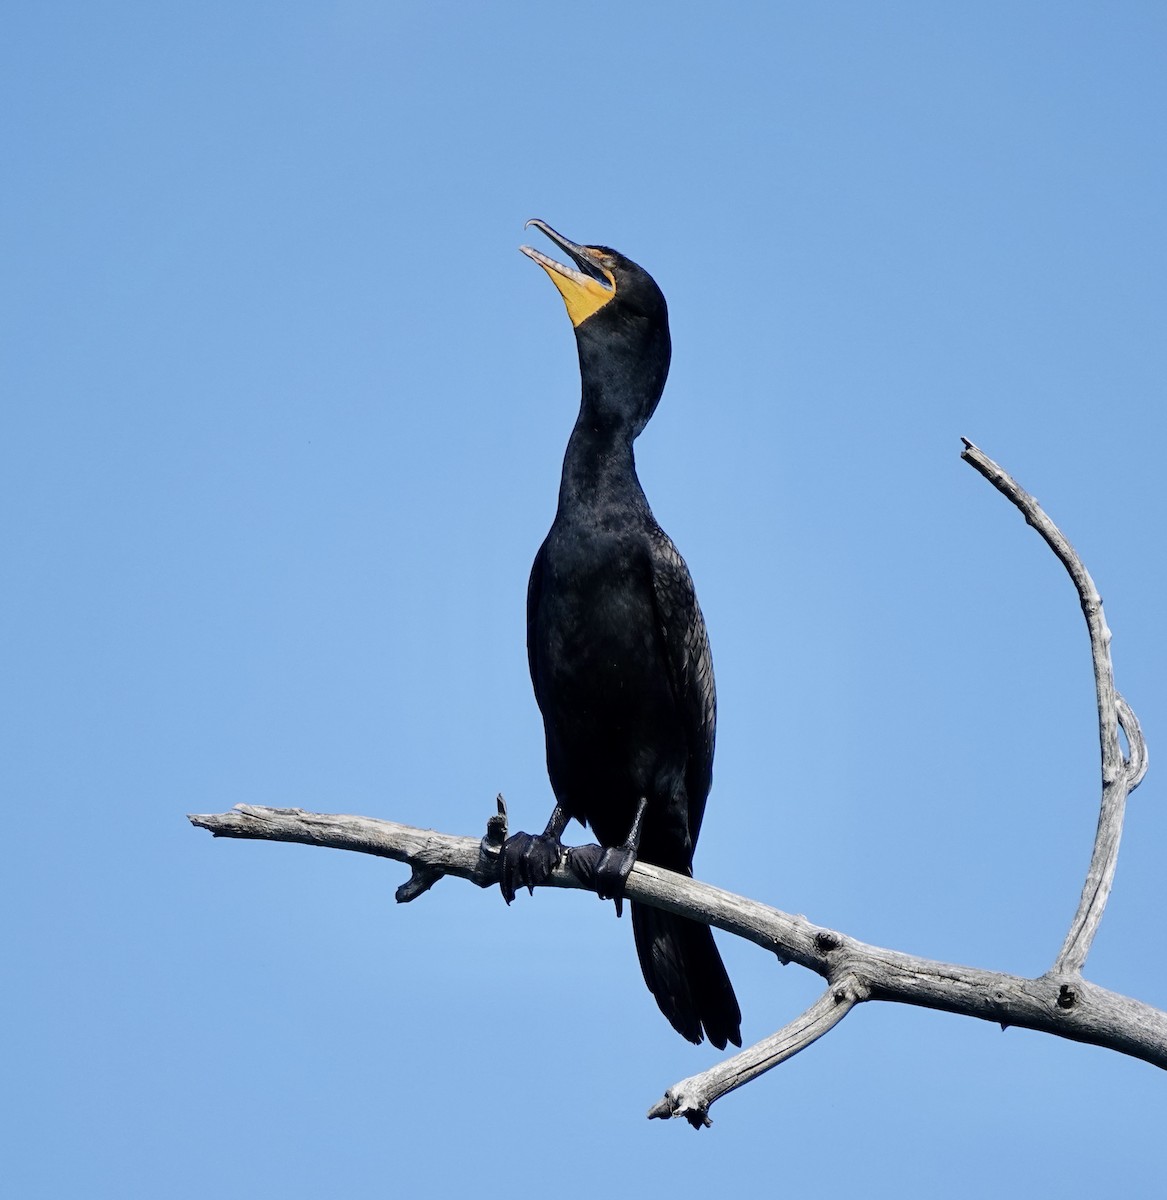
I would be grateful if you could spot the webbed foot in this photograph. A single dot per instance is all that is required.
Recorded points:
(604, 869)
(528, 861)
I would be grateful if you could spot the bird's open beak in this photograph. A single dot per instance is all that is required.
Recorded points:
(586, 290)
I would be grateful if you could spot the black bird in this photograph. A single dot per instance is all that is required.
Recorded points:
(617, 646)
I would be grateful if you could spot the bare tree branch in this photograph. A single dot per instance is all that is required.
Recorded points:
(1060, 1002)
(692, 1097)
(1062, 1005)
(1120, 776)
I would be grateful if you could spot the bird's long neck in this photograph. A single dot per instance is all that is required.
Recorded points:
(599, 469)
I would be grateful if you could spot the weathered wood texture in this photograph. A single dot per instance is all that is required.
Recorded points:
(1063, 1004)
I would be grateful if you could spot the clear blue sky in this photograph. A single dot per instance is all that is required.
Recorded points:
(284, 413)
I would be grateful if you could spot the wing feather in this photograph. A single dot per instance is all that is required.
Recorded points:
(690, 666)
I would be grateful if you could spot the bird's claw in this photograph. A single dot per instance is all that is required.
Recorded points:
(528, 861)
(605, 869)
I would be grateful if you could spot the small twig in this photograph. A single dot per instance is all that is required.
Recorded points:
(693, 1097)
(1119, 775)
(1136, 764)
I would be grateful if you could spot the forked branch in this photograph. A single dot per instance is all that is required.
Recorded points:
(1059, 1002)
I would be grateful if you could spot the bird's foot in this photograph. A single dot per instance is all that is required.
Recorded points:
(527, 861)
(604, 869)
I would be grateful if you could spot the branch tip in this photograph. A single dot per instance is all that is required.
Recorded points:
(673, 1106)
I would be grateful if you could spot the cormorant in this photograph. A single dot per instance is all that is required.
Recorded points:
(617, 646)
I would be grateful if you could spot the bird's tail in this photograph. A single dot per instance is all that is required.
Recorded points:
(685, 973)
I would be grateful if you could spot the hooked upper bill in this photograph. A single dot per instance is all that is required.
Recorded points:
(584, 290)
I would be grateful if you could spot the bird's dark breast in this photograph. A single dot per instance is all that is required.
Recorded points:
(614, 733)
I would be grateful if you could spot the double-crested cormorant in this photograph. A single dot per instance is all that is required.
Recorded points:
(618, 652)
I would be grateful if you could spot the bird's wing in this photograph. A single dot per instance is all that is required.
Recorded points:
(690, 666)
(534, 592)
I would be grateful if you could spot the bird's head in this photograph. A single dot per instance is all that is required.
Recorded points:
(621, 326)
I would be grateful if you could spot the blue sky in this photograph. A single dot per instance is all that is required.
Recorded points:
(285, 410)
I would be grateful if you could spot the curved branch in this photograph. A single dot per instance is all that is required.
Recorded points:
(1120, 775)
(1136, 764)
(692, 1097)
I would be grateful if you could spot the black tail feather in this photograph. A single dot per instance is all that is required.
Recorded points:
(685, 973)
